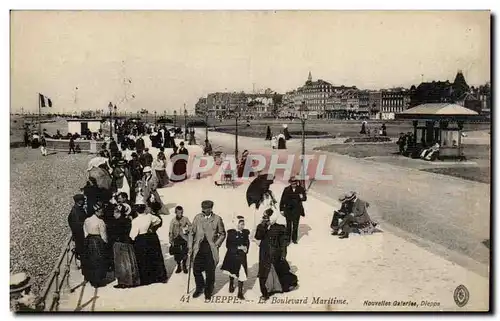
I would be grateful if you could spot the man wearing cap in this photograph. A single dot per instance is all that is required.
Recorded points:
(205, 239)
(76, 218)
(291, 207)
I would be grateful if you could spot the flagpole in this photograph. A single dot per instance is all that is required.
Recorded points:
(39, 116)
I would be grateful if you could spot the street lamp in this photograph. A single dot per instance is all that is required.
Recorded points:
(303, 118)
(110, 106)
(155, 117)
(175, 118)
(185, 124)
(206, 123)
(114, 118)
(236, 116)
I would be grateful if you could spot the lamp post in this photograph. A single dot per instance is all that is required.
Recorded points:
(175, 118)
(114, 118)
(236, 116)
(155, 117)
(303, 119)
(110, 106)
(206, 123)
(185, 123)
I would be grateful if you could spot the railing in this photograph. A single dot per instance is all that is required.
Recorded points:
(48, 300)
(89, 146)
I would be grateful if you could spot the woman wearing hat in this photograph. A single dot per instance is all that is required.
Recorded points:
(96, 261)
(274, 271)
(125, 263)
(235, 261)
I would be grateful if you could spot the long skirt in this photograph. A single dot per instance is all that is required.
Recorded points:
(279, 278)
(235, 265)
(150, 259)
(126, 270)
(95, 261)
(162, 178)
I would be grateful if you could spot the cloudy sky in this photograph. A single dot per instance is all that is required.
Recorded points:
(173, 58)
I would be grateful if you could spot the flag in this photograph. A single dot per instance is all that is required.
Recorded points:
(45, 101)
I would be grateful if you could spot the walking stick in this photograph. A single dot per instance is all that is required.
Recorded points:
(190, 264)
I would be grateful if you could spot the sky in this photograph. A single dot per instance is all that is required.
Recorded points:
(173, 58)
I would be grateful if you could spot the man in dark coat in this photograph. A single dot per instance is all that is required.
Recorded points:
(139, 145)
(76, 218)
(207, 236)
(291, 207)
(358, 215)
(146, 158)
(339, 215)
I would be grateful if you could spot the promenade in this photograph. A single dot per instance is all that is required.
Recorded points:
(335, 275)
(447, 215)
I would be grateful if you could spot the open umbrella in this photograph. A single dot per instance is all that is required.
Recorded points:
(257, 188)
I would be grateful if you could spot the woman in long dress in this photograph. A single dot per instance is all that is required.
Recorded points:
(274, 271)
(235, 262)
(126, 270)
(147, 247)
(96, 260)
(160, 165)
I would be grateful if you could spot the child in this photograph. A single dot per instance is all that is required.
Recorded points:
(235, 261)
(178, 235)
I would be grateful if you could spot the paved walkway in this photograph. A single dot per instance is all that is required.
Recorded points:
(377, 267)
(448, 211)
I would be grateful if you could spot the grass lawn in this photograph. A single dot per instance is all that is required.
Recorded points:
(478, 174)
(391, 149)
(361, 150)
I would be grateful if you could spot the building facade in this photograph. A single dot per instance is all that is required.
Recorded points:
(393, 101)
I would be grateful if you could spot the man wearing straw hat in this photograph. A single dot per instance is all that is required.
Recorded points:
(345, 208)
(358, 214)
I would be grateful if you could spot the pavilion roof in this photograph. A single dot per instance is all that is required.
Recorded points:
(439, 109)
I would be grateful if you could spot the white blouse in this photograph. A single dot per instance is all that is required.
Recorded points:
(142, 223)
(95, 226)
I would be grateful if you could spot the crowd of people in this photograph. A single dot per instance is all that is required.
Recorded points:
(115, 219)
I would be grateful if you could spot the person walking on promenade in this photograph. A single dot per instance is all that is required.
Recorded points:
(207, 236)
(151, 197)
(291, 207)
(139, 145)
(147, 247)
(125, 262)
(146, 158)
(274, 274)
(96, 257)
(160, 166)
(235, 262)
(76, 218)
(43, 146)
(72, 145)
(178, 236)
